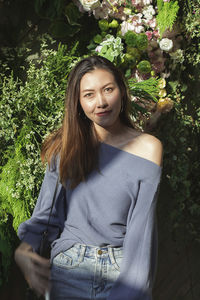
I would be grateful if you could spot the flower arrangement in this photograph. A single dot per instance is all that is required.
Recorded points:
(135, 35)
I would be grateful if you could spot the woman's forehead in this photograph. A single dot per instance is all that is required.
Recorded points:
(96, 78)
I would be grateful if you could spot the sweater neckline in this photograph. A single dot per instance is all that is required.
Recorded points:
(131, 154)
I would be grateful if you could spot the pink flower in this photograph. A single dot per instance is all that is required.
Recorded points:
(156, 33)
(136, 2)
(149, 35)
(152, 23)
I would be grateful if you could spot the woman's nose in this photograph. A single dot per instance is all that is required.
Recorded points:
(101, 101)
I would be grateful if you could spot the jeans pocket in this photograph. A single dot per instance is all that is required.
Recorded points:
(118, 261)
(68, 259)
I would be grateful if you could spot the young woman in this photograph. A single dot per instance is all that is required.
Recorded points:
(111, 172)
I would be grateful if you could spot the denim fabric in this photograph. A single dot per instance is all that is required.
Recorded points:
(85, 272)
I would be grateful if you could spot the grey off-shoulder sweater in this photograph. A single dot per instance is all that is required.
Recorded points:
(116, 207)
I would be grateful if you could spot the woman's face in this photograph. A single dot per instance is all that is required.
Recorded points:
(100, 98)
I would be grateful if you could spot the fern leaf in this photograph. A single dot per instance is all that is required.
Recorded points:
(167, 13)
(147, 89)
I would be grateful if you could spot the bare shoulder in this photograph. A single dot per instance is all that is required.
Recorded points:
(146, 146)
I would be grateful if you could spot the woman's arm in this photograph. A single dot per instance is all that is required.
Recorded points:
(34, 267)
(138, 268)
(31, 230)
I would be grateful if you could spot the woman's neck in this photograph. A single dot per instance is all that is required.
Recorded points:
(112, 135)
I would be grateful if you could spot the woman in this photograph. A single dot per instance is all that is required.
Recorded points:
(111, 174)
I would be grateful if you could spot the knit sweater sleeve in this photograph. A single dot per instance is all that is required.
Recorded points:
(138, 267)
(31, 230)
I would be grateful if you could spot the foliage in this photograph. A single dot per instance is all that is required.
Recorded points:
(64, 17)
(146, 89)
(167, 14)
(180, 131)
(181, 165)
(28, 112)
(65, 21)
(191, 12)
(172, 60)
(129, 37)
(31, 104)
(111, 48)
(144, 67)
(6, 249)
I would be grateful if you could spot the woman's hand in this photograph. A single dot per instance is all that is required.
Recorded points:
(35, 268)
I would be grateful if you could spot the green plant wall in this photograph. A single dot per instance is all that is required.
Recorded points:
(32, 100)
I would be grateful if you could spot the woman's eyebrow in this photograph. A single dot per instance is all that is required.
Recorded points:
(90, 89)
(87, 90)
(108, 84)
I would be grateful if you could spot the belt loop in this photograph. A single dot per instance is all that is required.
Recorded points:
(111, 255)
(82, 252)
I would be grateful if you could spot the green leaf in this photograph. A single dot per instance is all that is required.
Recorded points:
(138, 107)
(97, 39)
(104, 49)
(109, 55)
(128, 73)
(49, 9)
(173, 85)
(72, 14)
(60, 29)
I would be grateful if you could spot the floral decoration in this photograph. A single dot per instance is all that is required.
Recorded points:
(132, 38)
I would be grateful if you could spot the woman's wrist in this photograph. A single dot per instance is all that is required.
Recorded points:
(21, 252)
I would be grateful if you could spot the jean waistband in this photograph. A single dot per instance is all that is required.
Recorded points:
(95, 251)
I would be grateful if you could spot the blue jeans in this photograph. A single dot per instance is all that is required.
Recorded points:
(85, 272)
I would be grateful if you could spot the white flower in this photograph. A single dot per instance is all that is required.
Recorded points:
(98, 48)
(115, 2)
(90, 4)
(101, 13)
(141, 2)
(126, 26)
(166, 44)
(147, 2)
(139, 29)
(162, 83)
(149, 12)
(151, 23)
(137, 18)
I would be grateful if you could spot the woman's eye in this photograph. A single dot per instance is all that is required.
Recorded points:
(88, 95)
(109, 89)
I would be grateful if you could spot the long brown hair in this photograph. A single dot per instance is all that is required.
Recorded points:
(76, 142)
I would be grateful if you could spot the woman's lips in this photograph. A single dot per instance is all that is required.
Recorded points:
(103, 113)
